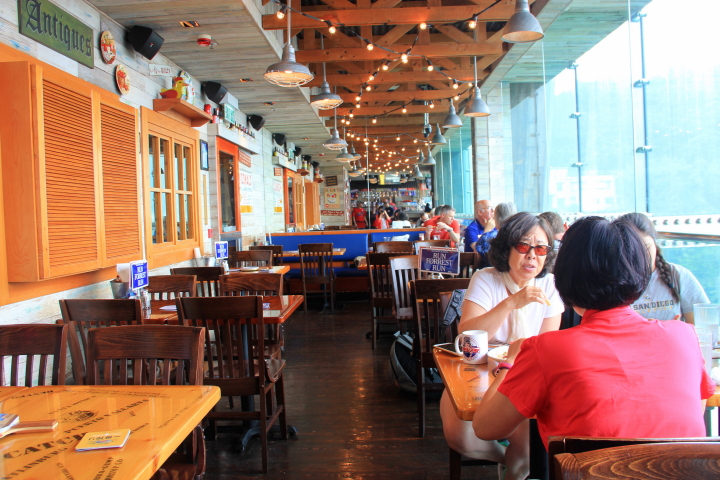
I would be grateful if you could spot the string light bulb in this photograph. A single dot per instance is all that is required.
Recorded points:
(457, 97)
(368, 88)
(385, 65)
(281, 12)
(357, 97)
(398, 138)
(370, 46)
(371, 78)
(357, 105)
(404, 58)
(432, 104)
(404, 109)
(374, 120)
(423, 26)
(473, 23)
(455, 84)
(430, 66)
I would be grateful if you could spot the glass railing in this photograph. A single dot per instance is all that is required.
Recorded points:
(701, 257)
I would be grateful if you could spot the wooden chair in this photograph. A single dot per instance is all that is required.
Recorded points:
(316, 260)
(17, 341)
(430, 243)
(468, 264)
(559, 446)
(677, 460)
(83, 314)
(277, 253)
(245, 374)
(381, 292)
(393, 247)
(207, 279)
(174, 351)
(427, 331)
(167, 287)
(403, 269)
(263, 284)
(252, 258)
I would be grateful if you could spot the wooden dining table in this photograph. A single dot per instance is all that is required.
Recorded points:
(159, 417)
(281, 269)
(296, 253)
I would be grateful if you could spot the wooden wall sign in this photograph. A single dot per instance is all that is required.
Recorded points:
(52, 26)
(331, 181)
(244, 158)
(277, 171)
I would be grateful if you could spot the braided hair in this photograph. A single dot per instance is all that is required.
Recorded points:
(646, 228)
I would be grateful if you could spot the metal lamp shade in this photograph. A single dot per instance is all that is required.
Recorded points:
(325, 100)
(336, 143)
(361, 169)
(522, 27)
(417, 173)
(430, 160)
(354, 172)
(287, 72)
(352, 152)
(452, 120)
(421, 158)
(477, 106)
(438, 138)
(344, 156)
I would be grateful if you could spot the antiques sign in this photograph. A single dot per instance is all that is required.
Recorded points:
(52, 26)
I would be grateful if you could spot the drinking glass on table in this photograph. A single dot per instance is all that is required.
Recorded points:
(707, 316)
(706, 346)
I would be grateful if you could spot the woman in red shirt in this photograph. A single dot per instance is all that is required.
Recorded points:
(614, 375)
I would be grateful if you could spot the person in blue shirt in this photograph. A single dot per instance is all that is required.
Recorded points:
(503, 211)
(482, 224)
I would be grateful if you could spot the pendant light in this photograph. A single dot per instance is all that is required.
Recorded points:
(361, 168)
(354, 171)
(421, 158)
(335, 142)
(477, 106)
(325, 100)
(438, 138)
(417, 174)
(344, 156)
(522, 27)
(430, 160)
(352, 152)
(287, 72)
(452, 120)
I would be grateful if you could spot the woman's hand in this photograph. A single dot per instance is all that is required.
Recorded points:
(527, 295)
(514, 350)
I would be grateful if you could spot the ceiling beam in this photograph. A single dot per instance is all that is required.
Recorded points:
(356, 79)
(432, 51)
(377, 111)
(394, 16)
(400, 96)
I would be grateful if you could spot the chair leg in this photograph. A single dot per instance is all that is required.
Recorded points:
(421, 400)
(374, 327)
(305, 296)
(455, 465)
(280, 401)
(332, 296)
(263, 429)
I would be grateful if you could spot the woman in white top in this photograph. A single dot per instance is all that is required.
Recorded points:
(515, 298)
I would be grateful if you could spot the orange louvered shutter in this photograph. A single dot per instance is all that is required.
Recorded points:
(120, 186)
(72, 230)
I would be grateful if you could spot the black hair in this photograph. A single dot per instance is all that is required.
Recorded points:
(513, 231)
(402, 216)
(601, 265)
(646, 228)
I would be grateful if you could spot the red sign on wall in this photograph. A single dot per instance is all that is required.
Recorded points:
(332, 213)
(278, 171)
(244, 158)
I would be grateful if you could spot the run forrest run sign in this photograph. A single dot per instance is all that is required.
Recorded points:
(52, 26)
(440, 260)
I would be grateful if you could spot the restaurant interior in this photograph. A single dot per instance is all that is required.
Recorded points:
(191, 172)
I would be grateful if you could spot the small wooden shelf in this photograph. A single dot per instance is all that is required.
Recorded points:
(303, 172)
(319, 180)
(197, 117)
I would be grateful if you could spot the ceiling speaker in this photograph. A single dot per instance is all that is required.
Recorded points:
(279, 138)
(298, 151)
(145, 41)
(307, 158)
(256, 121)
(215, 92)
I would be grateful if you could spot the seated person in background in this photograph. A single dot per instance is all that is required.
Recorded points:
(616, 374)
(557, 226)
(382, 219)
(483, 223)
(673, 289)
(389, 208)
(515, 299)
(444, 226)
(401, 221)
(502, 212)
(422, 219)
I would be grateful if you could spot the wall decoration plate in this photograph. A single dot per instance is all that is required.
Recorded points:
(123, 79)
(107, 47)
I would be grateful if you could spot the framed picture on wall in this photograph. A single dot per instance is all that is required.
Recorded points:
(204, 165)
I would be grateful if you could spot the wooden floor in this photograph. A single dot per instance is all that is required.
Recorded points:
(353, 422)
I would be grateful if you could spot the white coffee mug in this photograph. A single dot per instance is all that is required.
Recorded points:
(474, 347)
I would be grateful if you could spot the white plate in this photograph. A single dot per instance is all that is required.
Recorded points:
(249, 269)
(497, 355)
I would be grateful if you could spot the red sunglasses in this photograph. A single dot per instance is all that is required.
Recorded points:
(523, 248)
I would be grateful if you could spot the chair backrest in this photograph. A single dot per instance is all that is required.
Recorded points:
(403, 270)
(393, 247)
(230, 360)
(381, 284)
(656, 461)
(469, 262)
(147, 350)
(576, 445)
(430, 243)
(428, 311)
(316, 261)
(167, 287)
(83, 314)
(22, 341)
(264, 284)
(207, 279)
(277, 253)
(252, 258)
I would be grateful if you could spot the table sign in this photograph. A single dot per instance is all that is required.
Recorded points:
(138, 274)
(221, 250)
(440, 260)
